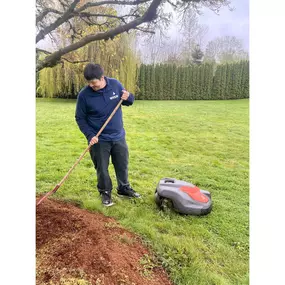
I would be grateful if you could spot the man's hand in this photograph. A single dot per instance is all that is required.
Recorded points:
(125, 95)
(94, 140)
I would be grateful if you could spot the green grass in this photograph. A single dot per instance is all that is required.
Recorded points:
(203, 142)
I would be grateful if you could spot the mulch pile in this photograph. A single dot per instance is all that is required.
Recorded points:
(74, 246)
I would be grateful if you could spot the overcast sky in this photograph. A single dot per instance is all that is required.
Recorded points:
(227, 23)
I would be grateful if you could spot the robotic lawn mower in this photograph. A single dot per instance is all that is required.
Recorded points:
(183, 197)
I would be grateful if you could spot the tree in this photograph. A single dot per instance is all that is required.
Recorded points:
(104, 20)
(142, 81)
(117, 57)
(192, 31)
(193, 34)
(197, 55)
(152, 47)
(225, 49)
(170, 53)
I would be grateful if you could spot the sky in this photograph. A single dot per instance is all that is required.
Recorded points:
(227, 23)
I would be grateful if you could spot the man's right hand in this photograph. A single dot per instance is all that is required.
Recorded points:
(93, 140)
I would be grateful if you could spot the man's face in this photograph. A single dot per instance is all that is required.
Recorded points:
(96, 84)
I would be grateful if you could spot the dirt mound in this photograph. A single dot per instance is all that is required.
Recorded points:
(74, 246)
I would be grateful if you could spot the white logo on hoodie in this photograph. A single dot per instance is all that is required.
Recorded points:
(114, 97)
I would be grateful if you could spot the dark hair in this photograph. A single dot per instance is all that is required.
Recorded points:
(93, 71)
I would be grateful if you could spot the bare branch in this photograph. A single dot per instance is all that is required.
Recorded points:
(87, 21)
(77, 61)
(42, 50)
(172, 4)
(71, 12)
(65, 17)
(63, 4)
(85, 14)
(52, 38)
(90, 4)
(145, 30)
(40, 17)
(48, 52)
(74, 31)
(148, 16)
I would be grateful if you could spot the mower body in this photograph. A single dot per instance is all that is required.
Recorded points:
(185, 197)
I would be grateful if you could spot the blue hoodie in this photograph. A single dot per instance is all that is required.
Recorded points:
(94, 107)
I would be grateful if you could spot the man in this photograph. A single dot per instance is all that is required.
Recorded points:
(95, 103)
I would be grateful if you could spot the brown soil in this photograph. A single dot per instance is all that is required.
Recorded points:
(74, 246)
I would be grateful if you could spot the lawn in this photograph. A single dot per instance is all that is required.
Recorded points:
(203, 142)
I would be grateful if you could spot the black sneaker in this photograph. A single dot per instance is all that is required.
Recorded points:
(106, 198)
(128, 192)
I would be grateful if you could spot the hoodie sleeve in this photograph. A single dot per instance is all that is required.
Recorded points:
(129, 101)
(80, 117)
(131, 98)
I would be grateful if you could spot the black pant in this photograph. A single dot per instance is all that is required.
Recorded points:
(100, 155)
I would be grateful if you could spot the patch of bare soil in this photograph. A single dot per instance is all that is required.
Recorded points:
(74, 246)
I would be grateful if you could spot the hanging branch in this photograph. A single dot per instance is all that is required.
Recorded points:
(148, 16)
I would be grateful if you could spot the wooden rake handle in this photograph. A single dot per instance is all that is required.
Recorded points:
(81, 156)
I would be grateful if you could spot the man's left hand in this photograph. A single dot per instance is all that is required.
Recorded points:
(125, 95)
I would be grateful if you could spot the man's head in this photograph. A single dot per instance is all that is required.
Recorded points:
(93, 73)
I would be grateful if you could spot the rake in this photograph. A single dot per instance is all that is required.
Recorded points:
(81, 156)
